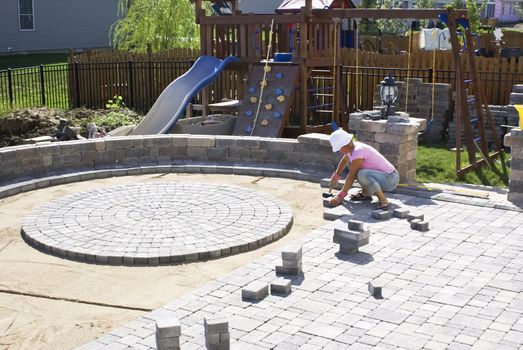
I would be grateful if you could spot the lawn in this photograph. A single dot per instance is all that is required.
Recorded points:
(438, 164)
(31, 60)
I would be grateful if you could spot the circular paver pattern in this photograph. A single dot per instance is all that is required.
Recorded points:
(157, 223)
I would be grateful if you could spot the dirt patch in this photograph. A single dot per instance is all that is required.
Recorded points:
(28, 123)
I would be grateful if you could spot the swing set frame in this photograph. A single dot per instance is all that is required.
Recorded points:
(316, 46)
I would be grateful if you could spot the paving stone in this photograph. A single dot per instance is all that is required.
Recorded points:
(255, 291)
(281, 270)
(355, 225)
(375, 288)
(400, 213)
(421, 225)
(381, 214)
(168, 327)
(292, 253)
(414, 224)
(351, 234)
(415, 216)
(349, 242)
(215, 325)
(281, 286)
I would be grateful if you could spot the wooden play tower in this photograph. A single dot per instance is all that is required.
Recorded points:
(315, 37)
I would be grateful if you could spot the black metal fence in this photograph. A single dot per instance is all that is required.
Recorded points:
(45, 85)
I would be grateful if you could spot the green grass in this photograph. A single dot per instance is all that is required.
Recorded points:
(26, 88)
(438, 165)
(30, 60)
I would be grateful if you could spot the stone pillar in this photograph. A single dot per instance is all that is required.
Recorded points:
(395, 138)
(514, 140)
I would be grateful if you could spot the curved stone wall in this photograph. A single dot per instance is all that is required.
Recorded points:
(28, 167)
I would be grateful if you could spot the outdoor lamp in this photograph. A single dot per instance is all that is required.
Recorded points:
(388, 93)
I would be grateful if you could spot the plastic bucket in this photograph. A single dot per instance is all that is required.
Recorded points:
(519, 108)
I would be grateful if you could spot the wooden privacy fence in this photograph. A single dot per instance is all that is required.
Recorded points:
(497, 75)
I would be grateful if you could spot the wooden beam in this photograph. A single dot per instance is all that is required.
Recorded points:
(251, 19)
(386, 13)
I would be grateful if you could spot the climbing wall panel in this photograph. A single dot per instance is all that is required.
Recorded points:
(278, 94)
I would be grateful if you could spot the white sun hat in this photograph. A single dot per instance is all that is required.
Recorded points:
(339, 138)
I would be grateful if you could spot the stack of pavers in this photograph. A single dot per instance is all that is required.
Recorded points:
(417, 222)
(501, 115)
(168, 332)
(442, 107)
(352, 237)
(291, 262)
(217, 335)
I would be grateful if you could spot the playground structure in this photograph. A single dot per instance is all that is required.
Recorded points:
(314, 38)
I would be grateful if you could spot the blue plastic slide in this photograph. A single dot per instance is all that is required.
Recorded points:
(172, 102)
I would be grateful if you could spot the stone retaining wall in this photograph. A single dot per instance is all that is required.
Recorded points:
(514, 140)
(33, 161)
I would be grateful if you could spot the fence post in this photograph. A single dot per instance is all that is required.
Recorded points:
(131, 85)
(76, 85)
(10, 87)
(430, 74)
(42, 84)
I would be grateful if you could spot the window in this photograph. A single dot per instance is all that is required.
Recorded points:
(26, 14)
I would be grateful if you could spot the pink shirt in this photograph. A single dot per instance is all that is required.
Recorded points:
(372, 159)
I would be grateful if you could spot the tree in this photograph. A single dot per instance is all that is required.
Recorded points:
(163, 24)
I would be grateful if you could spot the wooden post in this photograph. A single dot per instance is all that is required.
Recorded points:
(304, 69)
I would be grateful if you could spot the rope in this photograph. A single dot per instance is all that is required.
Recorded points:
(264, 77)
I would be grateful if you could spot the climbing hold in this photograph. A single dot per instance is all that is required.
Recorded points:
(249, 113)
(264, 122)
(251, 89)
(254, 99)
(276, 115)
(267, 69)
(278, 75)
(281, 98)
(263, 83)
(278, 91)
(248, 129)
(268, 106)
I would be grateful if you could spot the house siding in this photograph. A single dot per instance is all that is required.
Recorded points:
(501, 12)
(58, 25)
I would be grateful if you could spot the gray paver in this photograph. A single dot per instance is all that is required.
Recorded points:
(281, 286)
(381, 214)
(400, 213)
(255, 291)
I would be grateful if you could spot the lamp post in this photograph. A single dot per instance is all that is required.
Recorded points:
(388, 93)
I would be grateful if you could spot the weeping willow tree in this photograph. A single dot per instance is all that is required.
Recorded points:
(163, 24)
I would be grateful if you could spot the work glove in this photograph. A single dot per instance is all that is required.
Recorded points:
(334, 180)
(338, 198)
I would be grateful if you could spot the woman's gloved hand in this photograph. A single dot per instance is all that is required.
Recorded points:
(338, 198)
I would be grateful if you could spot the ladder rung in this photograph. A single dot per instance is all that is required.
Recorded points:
(474, 120)
(324, 95)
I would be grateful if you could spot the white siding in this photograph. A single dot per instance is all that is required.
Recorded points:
(59, 25)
